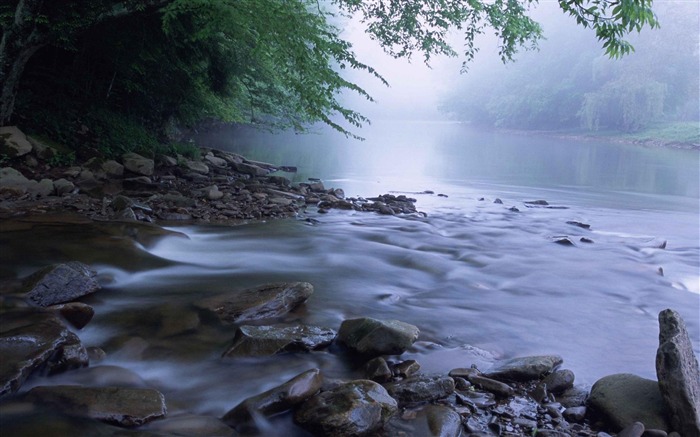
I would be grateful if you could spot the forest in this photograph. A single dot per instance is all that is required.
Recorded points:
(128, 75)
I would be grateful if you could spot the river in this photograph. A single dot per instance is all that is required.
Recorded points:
(482, 282)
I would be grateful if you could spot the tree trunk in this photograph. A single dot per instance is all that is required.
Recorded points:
(20, 40)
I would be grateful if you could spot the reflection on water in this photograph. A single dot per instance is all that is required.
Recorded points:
(481, 281)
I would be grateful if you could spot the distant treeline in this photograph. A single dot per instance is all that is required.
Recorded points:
(570, 84)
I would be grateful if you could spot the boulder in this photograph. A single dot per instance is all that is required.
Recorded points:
(215, 161)
(678, 374)
(249, 169)
(77, 314)
(270, 340)
(559, 381)
(269, 300)
(36, 341)
(524, 368)
(420, 388)
(138, 164)
(197, 167)
(13, 142)
(372, 337)
(356, 408)
(276, 400)
(623, 399)
(63, 186)
(60, 283)
(112, 169)
(121, 406)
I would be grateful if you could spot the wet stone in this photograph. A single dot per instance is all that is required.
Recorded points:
(373, 337)
(378, 370)
(357, 408)
(265, 301)
(421, 388)
(116, 405)
(77, 314)
(524, 368)
(191, 425)
(270, 340)
(406, 368)
(274, 401)
(60, 283)
(575, 414)
(559, 381)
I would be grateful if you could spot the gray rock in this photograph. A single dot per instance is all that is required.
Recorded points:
(270, 300)
(559, 381)
(496, 387)
(60, 283)
(274, 401)
(678, 374)
(635, 429)
(166, 161)
(43, 188)
(213, 193)
(197, 167)
(524, 368)
(378, 370)
(357, 408)
(573, 397)
(215, 161)
(13, 142)
(270, 340)
(113, 169)
(421, 388)
(138, 164)
(429, 421)
(372, 337)
(121, 202)
(407, 368)
(30, 341)
(15, 182)
(575, 414)
(249, 169)
(116, 405)
(63, 186)
(623, 399)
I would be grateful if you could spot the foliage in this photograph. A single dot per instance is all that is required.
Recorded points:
(60, 159)
(568, 84)
(123, 68)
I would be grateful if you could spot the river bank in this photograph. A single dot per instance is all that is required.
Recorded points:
(517, 411)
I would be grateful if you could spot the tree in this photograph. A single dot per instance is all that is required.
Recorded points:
(280, 60)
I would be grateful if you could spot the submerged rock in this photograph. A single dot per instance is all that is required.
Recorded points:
(678, 374)
(36, 341)
(357, 408)
(372, 337)
(60, 283)
(261, 302)
(192, 425)
(275, 400)
(116, 405)
(623, 399)
(524, 368)
(270, 340)
(77, 314)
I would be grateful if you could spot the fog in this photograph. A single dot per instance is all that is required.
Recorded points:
(569, 59)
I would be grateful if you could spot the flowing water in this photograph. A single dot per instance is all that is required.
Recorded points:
(481, 282)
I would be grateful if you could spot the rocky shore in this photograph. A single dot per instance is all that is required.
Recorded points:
(43, 313)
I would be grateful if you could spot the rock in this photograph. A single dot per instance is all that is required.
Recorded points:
(357, 408)
(43, 189)
(678, 374)
(537, 202)
(524, 368)
(15, 182)
(623, 399)
(213, 193)
(270, 300)
(197, 167)
(421, 388)
(564, 241)
(192, 425)
(579, 224)
(270, 340)
(317, 187)
(138, 164)
(13, 142)
(498, 201)
(429, 421)
(406, 368)
(274, 401)
(165, 161)
(116, 405)
(77, 314)
(372, 337)
(63, 186)
(60, 283)
(491, 385)
(210, 159)
(559, 381)
(573, 397)
(121, 202)
(31, 341)
(113, 169)
(249, 169)
(378, 370)
(575, 414)
(96, 354)
(635, 429)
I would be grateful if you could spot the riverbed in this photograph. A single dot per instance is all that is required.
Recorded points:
(482, 279)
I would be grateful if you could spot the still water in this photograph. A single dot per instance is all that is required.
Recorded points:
(481, 282)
